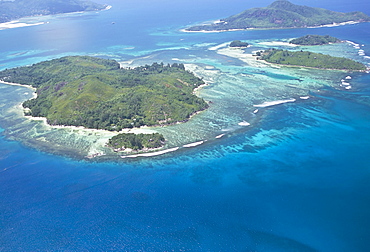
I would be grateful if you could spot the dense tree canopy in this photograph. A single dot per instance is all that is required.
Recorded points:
(97, 93)
(238, 43)
(136, 141)
(310, 59)
(314, 40)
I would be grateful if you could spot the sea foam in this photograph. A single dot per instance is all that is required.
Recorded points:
(273, 103)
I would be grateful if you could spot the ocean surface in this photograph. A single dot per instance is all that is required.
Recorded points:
(292, 176)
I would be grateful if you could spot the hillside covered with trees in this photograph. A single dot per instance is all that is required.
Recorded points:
(310, 59)
(314, 40)
(11, 10)
(97, 93)
(282, 14)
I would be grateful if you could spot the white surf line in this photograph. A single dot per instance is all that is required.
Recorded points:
(361, 52)
(151, 154)
(273, 103)
(193, 144)
(219, 136)
(244, 123)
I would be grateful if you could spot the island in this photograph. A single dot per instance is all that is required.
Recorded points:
(314, 40)
(282, 14)
(238, 43)
(98, 93)
(310, 59)
(11, 10)
(133, 142)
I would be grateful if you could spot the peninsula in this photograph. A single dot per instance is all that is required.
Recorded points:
(310, 59)
(282, 14)
(11, 10)
(98, 94)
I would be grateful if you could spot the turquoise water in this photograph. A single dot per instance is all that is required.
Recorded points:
(296, 179)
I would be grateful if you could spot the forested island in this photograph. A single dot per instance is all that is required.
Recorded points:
(314, 40)
(282, 14)
(97, 93)
(11, 10)
(131, 141)
(238, 43)
(310, 59)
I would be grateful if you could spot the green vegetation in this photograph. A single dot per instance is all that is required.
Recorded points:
(136, 141)
(97, 93)
(314, 40)
(310, 59)
(282, 14)
(238, 43)
(11, 10)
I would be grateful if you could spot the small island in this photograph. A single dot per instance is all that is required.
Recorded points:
(282, 14)
(238, 43)
(98, 94)
(11, 10)
(130, 141)
(315, 40)
(310, 59)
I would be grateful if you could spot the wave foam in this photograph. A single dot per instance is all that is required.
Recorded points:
(273, 103)
(244, 123)
(219, 136)
(151, 154)
(193, 144)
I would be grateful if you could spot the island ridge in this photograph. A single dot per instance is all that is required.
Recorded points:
(281, 14)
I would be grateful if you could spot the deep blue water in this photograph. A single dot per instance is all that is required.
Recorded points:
(296, 181)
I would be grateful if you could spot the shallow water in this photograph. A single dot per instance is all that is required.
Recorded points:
(296, 179)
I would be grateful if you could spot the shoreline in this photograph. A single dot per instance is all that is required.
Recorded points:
(17, 84)
(251, 59)
(17, 23)
(317, 68)
(272, 28)
(101, 135)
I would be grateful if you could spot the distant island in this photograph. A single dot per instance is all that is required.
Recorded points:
(310, 59)
(238, 43)
(98, 94)
(314, 40)
(282, 14)
(11, 10)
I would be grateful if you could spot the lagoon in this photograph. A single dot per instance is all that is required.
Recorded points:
(296, 179)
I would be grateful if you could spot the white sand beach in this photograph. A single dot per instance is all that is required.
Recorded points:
(336, 24)
(277, 43)
(17, 84)
(241, 55)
